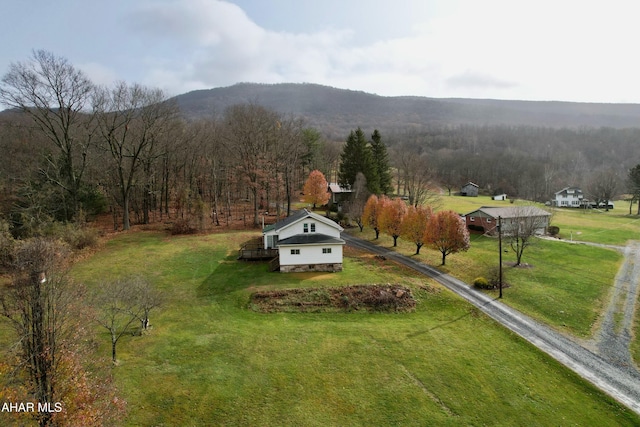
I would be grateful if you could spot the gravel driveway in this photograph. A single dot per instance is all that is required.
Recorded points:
(613, 338)
(606, 365)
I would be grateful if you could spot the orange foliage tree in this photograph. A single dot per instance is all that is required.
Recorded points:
(448, 233)
(415, 225)
(371, 214)
(315, 189)
(391, 215)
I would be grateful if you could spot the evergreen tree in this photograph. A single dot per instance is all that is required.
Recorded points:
(356, 157)
(381, 162)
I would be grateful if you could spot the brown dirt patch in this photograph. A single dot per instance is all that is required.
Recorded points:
(367, 298)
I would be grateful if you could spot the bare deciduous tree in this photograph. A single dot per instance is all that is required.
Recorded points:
(121, 303)
(522, 226)
(249, 136)
(357, 200)
(38, 305)
(603, 187)
(131, 120)
(55, 94)
(417, 176)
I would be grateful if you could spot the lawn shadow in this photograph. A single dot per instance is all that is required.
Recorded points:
(232, 275)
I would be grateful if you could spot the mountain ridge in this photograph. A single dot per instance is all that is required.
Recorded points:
(338, 110)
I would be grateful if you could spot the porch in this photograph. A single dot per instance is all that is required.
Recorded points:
(254, 251)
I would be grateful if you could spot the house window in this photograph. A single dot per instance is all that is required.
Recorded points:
(326, 250)
(313, 227)
(295, 251)
(305, 227)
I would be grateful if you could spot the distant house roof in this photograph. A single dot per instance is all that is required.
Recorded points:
(511, 211)
(310, 239)
(336, 188)
(566, 190)
(471, 183)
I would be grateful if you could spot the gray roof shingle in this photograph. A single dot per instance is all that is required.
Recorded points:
(311, 239)
(512, 212)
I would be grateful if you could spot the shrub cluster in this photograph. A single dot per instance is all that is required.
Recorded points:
(182, 226)
(553, 230)
(76, 236)
(482, 283)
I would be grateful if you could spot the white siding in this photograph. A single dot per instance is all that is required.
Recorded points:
(265, 237)
(320, 228)
(310, 254)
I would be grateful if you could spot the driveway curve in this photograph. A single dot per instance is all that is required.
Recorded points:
(621, 381)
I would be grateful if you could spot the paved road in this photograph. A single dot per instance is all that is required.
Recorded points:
(621, 381)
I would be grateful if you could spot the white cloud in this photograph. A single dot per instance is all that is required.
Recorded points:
(489, 49)
(99, 74)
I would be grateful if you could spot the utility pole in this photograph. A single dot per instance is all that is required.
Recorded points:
(500, 249)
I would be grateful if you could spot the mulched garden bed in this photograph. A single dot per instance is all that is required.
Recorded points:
(367, 298)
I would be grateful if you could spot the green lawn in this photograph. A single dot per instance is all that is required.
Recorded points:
(562, 286)
(209, 360)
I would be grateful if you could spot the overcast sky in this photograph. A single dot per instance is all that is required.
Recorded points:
(563, 50)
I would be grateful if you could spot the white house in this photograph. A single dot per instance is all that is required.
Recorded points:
(306, 242)
(569, 197)
(502, 196)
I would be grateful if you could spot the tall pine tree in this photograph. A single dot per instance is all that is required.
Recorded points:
(356, 157)
(381, 162)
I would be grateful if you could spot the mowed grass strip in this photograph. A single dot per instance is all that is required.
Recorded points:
(209, 360)
(562, 284)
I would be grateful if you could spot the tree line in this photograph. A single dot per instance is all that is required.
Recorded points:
(79, 149)
(75, 149)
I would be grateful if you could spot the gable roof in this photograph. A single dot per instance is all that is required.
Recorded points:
(471, 183)
(336, 188)
(299, 216)
(511, 211)
(574, 190)
(311, 239)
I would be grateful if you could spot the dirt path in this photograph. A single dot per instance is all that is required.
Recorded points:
(619, 380)
(613, 338)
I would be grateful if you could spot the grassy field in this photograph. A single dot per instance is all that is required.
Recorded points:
(209, 360)
(561, 286)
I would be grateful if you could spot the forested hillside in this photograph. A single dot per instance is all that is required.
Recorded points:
(525, 148)
(210, 155)
(336, 111)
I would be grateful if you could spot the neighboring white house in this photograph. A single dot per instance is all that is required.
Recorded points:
(306, 242)
(502, 196)
(569, 197)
